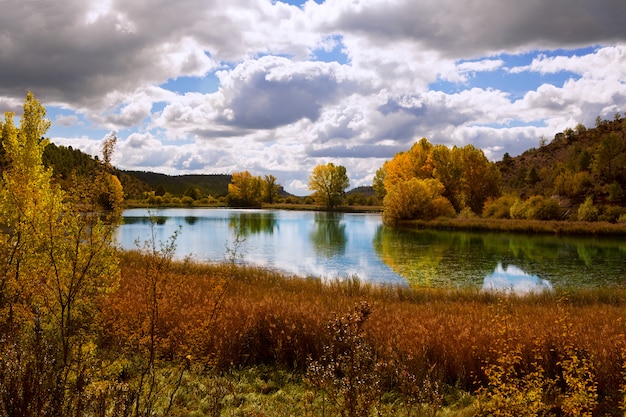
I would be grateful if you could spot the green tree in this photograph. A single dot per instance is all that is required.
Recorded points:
(329, 183)
(379, 182)
(270, 189)
(608, 157)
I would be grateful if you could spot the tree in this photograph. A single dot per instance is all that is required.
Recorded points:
(379, 182)
(468, 178)
(57, 258)
(270, 189)
(329, 183)
(244, 190)
(416, 199)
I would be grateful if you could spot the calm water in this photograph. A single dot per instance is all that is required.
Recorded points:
(331, 245)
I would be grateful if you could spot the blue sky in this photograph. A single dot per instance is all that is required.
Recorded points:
(277, 87)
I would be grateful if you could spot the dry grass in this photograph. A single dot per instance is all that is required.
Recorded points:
(558, 227)
(444, 337)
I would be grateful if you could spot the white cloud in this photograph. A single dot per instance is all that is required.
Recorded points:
(276, 109)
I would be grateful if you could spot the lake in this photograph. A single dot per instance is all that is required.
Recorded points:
(339, 245)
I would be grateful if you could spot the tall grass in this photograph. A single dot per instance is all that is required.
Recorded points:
(436, 338)
(558, 227)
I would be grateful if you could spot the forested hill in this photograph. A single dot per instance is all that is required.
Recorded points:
(577, 163)
(67, 160)
(214, 184)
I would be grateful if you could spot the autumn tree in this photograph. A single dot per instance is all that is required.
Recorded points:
(416, 199)
(56, 260)
(329, 183)
(378, 183)
(270, 189)
(244, 190)
(466, 177)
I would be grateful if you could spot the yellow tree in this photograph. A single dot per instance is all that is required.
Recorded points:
(329, 183)
(416, 199)
(244, 190)
(55, 266)
(480, 180)
(270, 189)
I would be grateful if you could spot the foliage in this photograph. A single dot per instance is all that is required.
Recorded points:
(270, 189)
(514, 387)
(329, 183)
(244, 190)
(467, 178)
(416, 198)
(499, 208)
(57, 261)
(587, 212)
(577, 163)
(536, 207)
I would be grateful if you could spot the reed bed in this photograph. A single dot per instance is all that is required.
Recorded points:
(557, 227)
(227, 317)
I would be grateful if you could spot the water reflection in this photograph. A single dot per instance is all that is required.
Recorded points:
(463, 259)
(329, 234)
(513, 279)
(248, 223)
(334, 245)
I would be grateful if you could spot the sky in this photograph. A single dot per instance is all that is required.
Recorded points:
(278, 87)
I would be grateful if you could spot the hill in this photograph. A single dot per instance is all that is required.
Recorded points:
(214, 184)
(577, 163)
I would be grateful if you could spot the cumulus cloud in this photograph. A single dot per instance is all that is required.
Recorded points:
(294, 85)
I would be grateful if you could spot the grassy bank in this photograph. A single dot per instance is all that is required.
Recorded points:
(555, 227)
(252, 342)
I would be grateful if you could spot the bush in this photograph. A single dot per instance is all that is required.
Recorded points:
(499, 208)
(416, 199)
(536, 207)
(611, 213)
(587, 212)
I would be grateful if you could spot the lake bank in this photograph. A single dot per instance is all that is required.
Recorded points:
(554, 227)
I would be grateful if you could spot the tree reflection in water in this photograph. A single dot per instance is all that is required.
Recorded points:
(329, 234)
(248, 223)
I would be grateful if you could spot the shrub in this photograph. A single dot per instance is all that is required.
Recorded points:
(416, 199)
(499, 208)
(347, 368)
(587, 212)
(611, 213)
(536, 207)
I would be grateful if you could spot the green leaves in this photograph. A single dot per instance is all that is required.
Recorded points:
(329, 182)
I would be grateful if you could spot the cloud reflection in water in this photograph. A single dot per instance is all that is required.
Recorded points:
(513, 279)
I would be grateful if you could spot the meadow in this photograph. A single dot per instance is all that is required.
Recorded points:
(185, 338)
